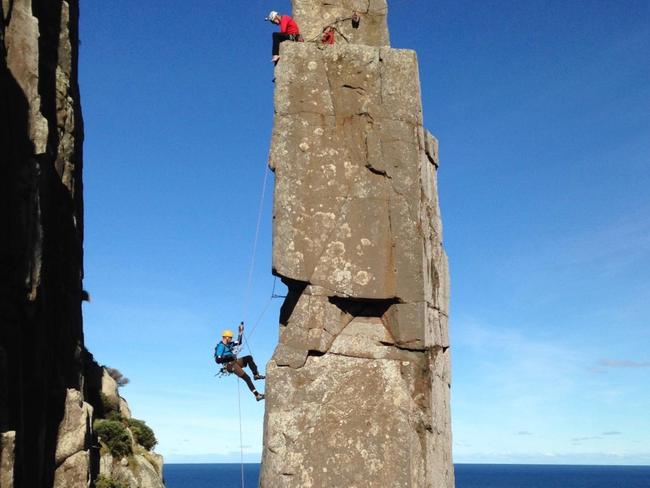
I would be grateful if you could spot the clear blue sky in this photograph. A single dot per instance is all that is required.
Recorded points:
(542, 109)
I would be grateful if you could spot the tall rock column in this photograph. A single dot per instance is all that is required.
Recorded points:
(44, 422)
(358, 386)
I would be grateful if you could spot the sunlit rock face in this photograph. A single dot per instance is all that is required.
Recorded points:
(358, 385)
(369, 27)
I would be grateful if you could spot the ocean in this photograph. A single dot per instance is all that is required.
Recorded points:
(467, 476)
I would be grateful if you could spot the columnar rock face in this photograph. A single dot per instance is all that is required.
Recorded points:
(313, 16)
(41, 340)
(50, 386)
(358, 386)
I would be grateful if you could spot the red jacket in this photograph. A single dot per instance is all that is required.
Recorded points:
(288, 25)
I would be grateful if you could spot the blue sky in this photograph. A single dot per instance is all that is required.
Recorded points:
(542, 112)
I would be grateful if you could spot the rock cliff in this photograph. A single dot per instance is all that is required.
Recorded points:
(50, 386)
(358, 386)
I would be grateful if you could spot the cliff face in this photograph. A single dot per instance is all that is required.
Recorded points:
(358, 386)
(50, 386)
(313, 15)
(41, 340)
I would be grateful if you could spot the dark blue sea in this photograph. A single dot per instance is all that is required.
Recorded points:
(467, 476)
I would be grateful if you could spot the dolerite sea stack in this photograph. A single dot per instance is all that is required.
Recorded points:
(358, 386)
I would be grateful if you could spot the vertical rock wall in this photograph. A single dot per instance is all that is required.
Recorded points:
(358, 386)
(41, 340)
(51, 389)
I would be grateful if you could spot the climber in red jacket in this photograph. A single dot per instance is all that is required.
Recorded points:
(289, 31)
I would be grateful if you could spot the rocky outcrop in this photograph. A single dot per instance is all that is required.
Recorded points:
(358, 386)
(128, 459)
(50, 386)
(7, 445)
(141, 470)
(370, 28)
(41, 338)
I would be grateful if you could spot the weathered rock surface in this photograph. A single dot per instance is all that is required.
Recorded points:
(358, 386)
(75, 430)
(50, 386)
(41, 215)
(74, 472)
(142, 470)
(313, 16)
(7, 446)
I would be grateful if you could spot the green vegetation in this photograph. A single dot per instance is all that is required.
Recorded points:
(114, 436)
(142, 433)
(109, 406)
(106, 482)
(115, 415)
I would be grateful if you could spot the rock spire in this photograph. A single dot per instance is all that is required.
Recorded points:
(51, 389)
(358, 386)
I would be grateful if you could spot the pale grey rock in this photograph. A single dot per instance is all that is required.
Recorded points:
(7, 458)
(341, 433)
(75, 429)
(74, 472)
(362, 160)
(125, 410)
(359, 381)
(142, 470)
(314, 15)
(21, 41)
(110, 391)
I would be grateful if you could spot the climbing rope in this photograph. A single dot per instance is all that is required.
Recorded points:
(241, 437)
(251, 268)
(327, 34)
(249, 285)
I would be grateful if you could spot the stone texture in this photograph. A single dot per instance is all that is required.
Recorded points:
(74, 472)
(7, 457)
(125, 410)
(359, 381)
(356, 161)
(41, 214)
(50, 385)
(110, 392)
(75, 429)
(314, 15)
(142, 470)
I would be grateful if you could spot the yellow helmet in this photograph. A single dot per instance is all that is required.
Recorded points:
(226, 333)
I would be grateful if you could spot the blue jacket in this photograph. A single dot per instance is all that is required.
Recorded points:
(224, 353)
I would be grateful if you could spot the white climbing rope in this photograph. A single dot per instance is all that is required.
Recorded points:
(246, 339)
(254, 252)
(247, 294)
(241, 437)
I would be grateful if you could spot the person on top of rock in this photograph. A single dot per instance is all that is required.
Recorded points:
(289, 31)
(226, 353)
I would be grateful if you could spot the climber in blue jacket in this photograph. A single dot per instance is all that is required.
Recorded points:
(226, 353)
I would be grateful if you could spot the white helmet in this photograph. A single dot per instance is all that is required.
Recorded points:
(272, 15)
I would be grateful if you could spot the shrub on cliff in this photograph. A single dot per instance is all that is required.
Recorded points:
(143, 434)
(114, 435)
(106, 482)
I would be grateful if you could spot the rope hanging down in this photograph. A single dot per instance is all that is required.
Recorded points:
(254, 251)
(241, 438)
(247, 294)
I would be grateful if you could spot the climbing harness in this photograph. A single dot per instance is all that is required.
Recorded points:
(223, 371)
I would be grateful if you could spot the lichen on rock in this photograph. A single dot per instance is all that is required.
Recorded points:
(358, 385)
